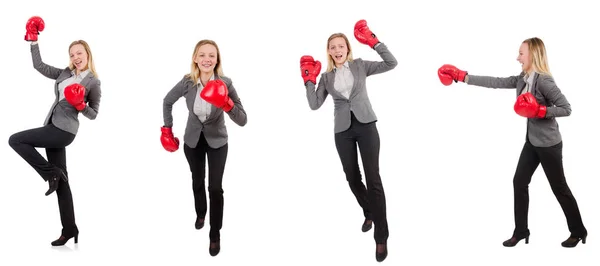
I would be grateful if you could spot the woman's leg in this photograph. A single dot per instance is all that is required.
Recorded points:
(345, 143)
(25, 142)
(551, 159)
(196, 158)
(528, 163)
(58, 157)
(216, 167)
(369, 145)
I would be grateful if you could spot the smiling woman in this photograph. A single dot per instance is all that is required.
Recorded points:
(540, 101)
(77, 90)
(79, 52)
(208, 94)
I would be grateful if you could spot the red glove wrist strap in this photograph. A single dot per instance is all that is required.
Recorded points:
(542, 112)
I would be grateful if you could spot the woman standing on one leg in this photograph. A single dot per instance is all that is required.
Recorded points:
(208, 95)
(539, 100)
(355, 119)
(77, 90)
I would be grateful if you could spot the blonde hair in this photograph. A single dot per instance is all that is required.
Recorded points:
(194, 74)
(330, 62)
(90, 61)
(537, 53)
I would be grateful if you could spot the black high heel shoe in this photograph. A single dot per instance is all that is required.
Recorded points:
(381, 255)
(367, 225)
(52, 185)
(513, 241)
(572, 241)
(214, 248)
(53, 182)
(62, 240)
(199, 223)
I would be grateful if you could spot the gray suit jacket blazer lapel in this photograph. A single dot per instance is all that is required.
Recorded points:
(534, 83)
(190, 100)
(520, 86)
(354, 70)
(331, 85)
(64, 75)
(86, 81)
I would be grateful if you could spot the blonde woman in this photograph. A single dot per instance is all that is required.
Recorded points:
(540, 101)
(209, 95)
(355, 120)
(77, 90)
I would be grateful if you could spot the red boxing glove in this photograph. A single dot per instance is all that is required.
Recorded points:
(448, 73)
(364, 35)
(168, 141)
(527, 106)
(34, 25)
(215, 92)
(310, 69)
(74, 94)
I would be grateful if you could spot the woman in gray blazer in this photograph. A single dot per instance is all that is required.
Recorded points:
(540, 101)
(209, 95)
(354, 120)
(77, 90)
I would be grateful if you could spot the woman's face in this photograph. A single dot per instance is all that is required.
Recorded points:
(338, 50)
(524, 58)
(206, 58)
(79, 57)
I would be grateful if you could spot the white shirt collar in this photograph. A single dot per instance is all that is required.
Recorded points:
(529, 77)
(345, 65)
(82, 74)
(200, 80)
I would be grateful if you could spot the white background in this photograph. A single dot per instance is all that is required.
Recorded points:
(448, 154)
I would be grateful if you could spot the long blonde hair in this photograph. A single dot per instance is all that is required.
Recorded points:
(537, 52)
(90, 61)
(194, 74)
(330, 62)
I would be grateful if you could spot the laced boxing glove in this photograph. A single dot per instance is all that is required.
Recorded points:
(34, 25)
(364, 35)
(74, 94)
(527, 106)
(310, 69)
(215, 92)
(168, 141)
(448, 73)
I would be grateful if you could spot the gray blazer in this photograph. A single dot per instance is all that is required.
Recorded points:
(541, 132)
(213, 127)
(358, 101)
(62, 113)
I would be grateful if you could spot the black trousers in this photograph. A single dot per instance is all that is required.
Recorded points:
(372, 197)
(196, 158)
(54, 140)
(551, 160)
